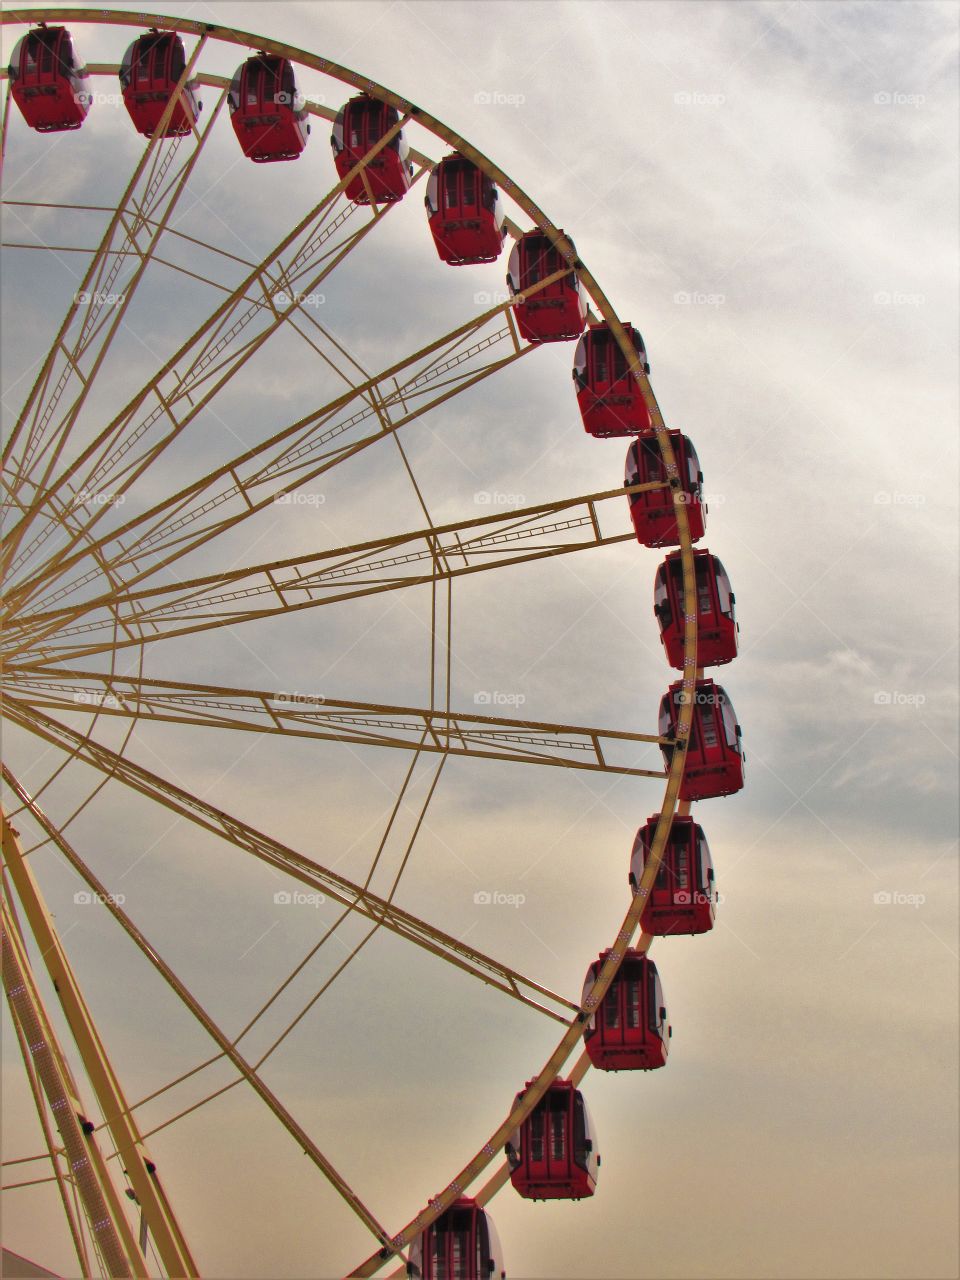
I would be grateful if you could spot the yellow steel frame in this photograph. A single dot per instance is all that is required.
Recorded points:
(391, 1245)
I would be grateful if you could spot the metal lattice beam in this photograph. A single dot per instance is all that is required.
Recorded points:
(287, 586)
(300, 715)
(272, 852)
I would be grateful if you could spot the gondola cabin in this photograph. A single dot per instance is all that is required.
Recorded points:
(629, 1029)
(465, 212)
(267, 110)
(652, 512)
(556, 312)
(553, 1155)
(684, 894)
(610, 399)
(359, 126)
(48, 81)
(149, 74)
(714, 764)
(461, 1245)
(716, 623)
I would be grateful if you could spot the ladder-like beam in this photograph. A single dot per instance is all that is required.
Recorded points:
(140, 1168)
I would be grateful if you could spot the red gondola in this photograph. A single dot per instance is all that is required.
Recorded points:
(652, 512)
(714, 765)
(556, 313)
(267, 110)
(359, 126)
(553, 1155)
(48, 81)
(149, 73)
(611, 402)
(716, 622)
(629, 1031)
(461, 1245)
(465, 212)
(684, 895)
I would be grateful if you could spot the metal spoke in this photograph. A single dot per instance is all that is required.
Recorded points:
(305, 582)
(301, 715)
(147, 204)
(191, 379)
(224, 1043)
(275, 854)
(298, 453)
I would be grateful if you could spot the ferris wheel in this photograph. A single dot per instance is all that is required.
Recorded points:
(120, 550)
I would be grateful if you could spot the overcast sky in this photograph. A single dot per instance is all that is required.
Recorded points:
(769, 192)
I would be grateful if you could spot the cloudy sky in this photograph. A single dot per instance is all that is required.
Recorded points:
(769, 192)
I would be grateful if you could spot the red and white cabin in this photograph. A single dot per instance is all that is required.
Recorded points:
(610, 399)
(48, 81)
(149, 73)
(461, 1245)
(629, 1030)
(716, 621)
(652, 513)
(714, 764)
(555, 313)
(553, 1155)
(684, 895)
(359, 126)
(465, 212)
(267, 110)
